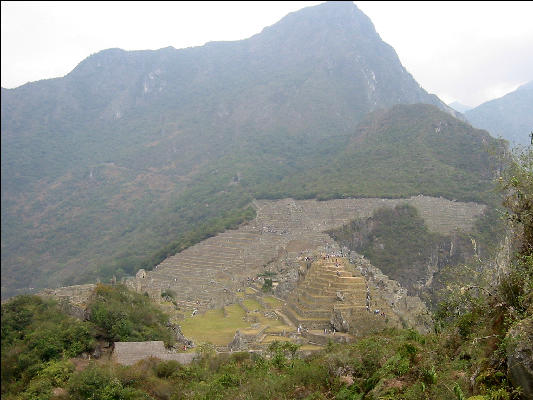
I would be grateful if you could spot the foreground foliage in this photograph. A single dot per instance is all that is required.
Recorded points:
(39, 341)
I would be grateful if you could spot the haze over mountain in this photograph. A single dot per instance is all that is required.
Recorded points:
(138, 153)
(459, 107)
(509, 117)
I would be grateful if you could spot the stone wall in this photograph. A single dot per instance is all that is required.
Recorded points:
(72, 299)
(327, 287)
(128, 353)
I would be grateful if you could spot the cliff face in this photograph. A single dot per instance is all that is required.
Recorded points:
(520, 356)
(398, 241)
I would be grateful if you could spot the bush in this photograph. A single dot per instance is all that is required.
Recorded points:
(35, 335)
(98, 383)
(168, 294)
(166, 369)
(123, 315)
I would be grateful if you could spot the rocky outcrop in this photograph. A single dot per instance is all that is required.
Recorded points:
(340, 320)
(246, 338)
(238, 343)
(178, 335)
(520, 356)
(410, 311)
(410, 244)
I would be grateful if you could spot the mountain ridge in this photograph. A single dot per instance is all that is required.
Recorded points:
(509, 117)
(132, 150)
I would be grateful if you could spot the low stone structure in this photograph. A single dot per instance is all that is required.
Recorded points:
(128, 353)
(244, 338)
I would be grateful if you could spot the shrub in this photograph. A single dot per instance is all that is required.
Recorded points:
(168, 294)
(98, 383)
(429, 376)
(166, 369)
(123, 315)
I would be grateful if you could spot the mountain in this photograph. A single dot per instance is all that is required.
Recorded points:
(136, 154)
(459, 107)
(509, 117)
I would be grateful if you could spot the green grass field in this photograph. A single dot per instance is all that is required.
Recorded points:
(252, 304)
(272, 302)
(214, 327)
(219, 327)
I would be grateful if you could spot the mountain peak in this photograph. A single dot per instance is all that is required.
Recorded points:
(146, 130)
(328, 16)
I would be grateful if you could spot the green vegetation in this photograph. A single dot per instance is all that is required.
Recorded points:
(40, 342)
(267, 285)
(466, 356)
(395, 240)
(37, 340)
(125, 316)
(133, 206)
(252, 304)
(272, 301)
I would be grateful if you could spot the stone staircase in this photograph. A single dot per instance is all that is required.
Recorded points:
(328, 286)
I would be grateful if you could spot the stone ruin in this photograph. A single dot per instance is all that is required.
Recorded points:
(73, 300)
(128, 353)
(208, 274)
(327, 287)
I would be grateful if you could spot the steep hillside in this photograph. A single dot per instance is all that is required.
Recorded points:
(136, 154)
(510, 116)
(400, 152)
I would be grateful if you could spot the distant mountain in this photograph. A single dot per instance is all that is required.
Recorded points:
(140, 153)
(509, 117)
(459, 107)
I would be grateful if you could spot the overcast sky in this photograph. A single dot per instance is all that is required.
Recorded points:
(469, 52)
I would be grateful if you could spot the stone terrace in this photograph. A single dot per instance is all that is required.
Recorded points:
(328, 286)
(208, 274)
